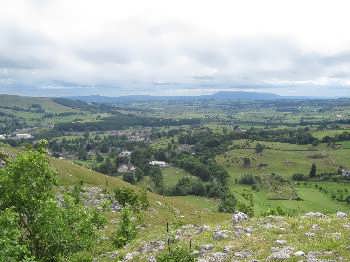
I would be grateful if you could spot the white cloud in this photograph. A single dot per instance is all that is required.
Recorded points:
(113, 47)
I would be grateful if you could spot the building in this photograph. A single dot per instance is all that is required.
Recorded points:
(23, 136)
(126, 168)
(346, 173)
(125, 153)
(2, 137)
(159, 163)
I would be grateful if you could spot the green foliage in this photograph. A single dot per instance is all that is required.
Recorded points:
(75, 193)
(126, 230)
(28, 180)
(157, 178)
(248, 179)
(63, 231)
(49, 230)
(128, 197)
(11, 248)
(228, 203)
(259, 148)
(130, 177)
(279, 211)
(188, 185)
(176, 255)
(313, 171)
(299, 177)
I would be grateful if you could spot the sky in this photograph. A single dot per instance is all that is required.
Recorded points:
(182, 47)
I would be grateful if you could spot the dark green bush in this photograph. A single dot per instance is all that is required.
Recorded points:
(176, 255)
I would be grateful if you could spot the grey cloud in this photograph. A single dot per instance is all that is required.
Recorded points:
(135, 57)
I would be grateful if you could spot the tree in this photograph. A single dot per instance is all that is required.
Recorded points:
(126, 230)
(157, 178)
(11, 248)
(246, 162)
(228, 203)
(129, 177)
(49, 230)
(259, 148)
(313, 171)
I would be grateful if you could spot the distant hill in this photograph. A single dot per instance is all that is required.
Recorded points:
(223, 95)
(26, 102)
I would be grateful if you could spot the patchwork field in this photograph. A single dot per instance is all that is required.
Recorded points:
(283, 159)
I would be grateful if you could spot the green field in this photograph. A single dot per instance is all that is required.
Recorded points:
(284, 159)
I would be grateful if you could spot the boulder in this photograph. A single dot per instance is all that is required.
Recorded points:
(220, 235)
(299, 253)
(243, 254)
(238, 217)
(315, 215)
(281, 254)
(341, 214)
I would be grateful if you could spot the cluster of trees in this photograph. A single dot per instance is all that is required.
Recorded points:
(120, 121)
(213, 176)
(10, 122)
(34, 225)
(345, 136)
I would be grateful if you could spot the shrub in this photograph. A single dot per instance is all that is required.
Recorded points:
(299, 177)
(228, 203)
(176, 255)
(128, 197)
(130, 178)
(247, 179)
(126, 230)
(248, 209)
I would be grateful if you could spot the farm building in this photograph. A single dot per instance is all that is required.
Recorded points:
(126, 168)
(24, 136)
(125, 153)
(159, 163)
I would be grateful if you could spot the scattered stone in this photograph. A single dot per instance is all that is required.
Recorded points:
(299, 253)
(347, 226)
(152, 259)
(220, 234)
(310, 234)
(202, 229)
(153, 246)
(315, 227)
(214, 257)
(335, 236)
(205, 248)
(243, 254)
(341, 214)
(130, 256)
(315, 215)
(281, 242)
(281, 254)
(238, 217)
(227, 249)
(111, 255)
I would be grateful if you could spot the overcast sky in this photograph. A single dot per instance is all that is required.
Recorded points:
(182, 47)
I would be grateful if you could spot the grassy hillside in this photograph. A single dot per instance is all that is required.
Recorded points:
(26, 102)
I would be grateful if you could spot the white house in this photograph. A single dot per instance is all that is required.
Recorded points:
(159, 163)
(125, 153)
(2, 137)
(24, 136)
(126, 168)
